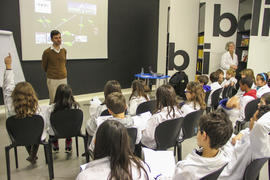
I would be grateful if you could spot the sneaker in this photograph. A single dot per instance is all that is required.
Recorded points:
(55, 146)
(68, 145)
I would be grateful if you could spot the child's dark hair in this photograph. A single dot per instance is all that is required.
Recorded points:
(214, 76)
(64, 99)
(220, 71)
(263, 77)
(203, 79)
(111, 86)
(217, 126)
(138, 89)
(266, 98)
(247, 80)
(116, 102)
(112, 140)
(166, 97)
(198, 94)
(262, 110)
(54, 33)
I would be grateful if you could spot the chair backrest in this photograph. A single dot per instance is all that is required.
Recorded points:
(25, 131)
(225, 92)
(146, 106)
(105, 113)
(190, 124)
(213, 175)
(215, 98)
(67, 123)
(207, 96)
(167, 133)
(132, 132)
(251, 108)
(253, 169)
(1, 96)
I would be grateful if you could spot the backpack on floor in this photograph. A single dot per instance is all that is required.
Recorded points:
(179, 82)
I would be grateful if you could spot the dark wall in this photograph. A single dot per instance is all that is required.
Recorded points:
(132, 44)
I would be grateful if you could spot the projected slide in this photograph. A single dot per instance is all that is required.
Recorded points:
(82, 23)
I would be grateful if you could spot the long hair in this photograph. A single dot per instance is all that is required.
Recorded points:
(198, 94)
(138, 89)
(64, 98)
(166, 97)
(112, 140)
(24, 99)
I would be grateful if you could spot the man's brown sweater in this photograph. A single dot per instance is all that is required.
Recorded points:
(54, 64)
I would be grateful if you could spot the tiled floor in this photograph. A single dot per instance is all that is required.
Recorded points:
(66, 167)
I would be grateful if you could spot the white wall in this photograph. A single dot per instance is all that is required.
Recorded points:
(218, 43)
(162, 35)
(184, 18)
(259, 48)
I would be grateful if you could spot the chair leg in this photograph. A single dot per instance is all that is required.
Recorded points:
(85, 139)
(77, 147)
(16, 157)
(48, 152)
(268, 168)
(179, 151)
(7, 162)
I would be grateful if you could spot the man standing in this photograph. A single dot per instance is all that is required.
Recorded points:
(54, 64)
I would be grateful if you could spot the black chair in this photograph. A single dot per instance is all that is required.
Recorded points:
(146, 106)
(252, 171)
(213, 175)
(250, 109)
(25, 132)
(207, 96)
(189, 129)
(67, 124)
(1, 96)
(167, 133)
(105, 113)
(225, 92)
(132, 132)
(215, 98)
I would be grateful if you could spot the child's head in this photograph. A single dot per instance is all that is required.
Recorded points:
(262, 110)
(116, 103)
(246, 83)
(261, 79)
(24, 99)
(203, 79)
(214, 77)
(265, 99)
(138, 89)
(63, 98)
(230, 73)
(112, 140)
(111, 86)
(195, 93)
(166, 97)
(220, 75)
(215, 129)
(247, 73)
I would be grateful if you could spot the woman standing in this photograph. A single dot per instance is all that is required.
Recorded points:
(229, 59)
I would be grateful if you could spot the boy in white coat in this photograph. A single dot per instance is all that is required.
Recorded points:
(214, 86)
(215, 129)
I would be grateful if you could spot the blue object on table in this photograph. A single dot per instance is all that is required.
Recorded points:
(151, 76)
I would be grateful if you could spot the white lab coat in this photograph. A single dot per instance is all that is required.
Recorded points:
(100, 169)
(8, 87)
(244, 100)
(228, 82)
(227, 61)
(188, 107)
(134, 102)
(262, 90)
(254, 144)
(194, 166)
(214, 86)
(148, 135)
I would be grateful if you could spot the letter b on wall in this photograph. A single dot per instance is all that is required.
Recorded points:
(172, 56)
(218, 18)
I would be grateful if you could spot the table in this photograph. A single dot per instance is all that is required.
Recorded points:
(148, 76)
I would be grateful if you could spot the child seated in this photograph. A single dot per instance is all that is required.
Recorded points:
(262, 84)
(116, 105)
(97, 107)
(137, 96)
(230, 78)
(247, 73)
(214, 77)
(195, 98)
(215, 129)
(166, 109)
(220, 73)
(203, 80)
(113, 158)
